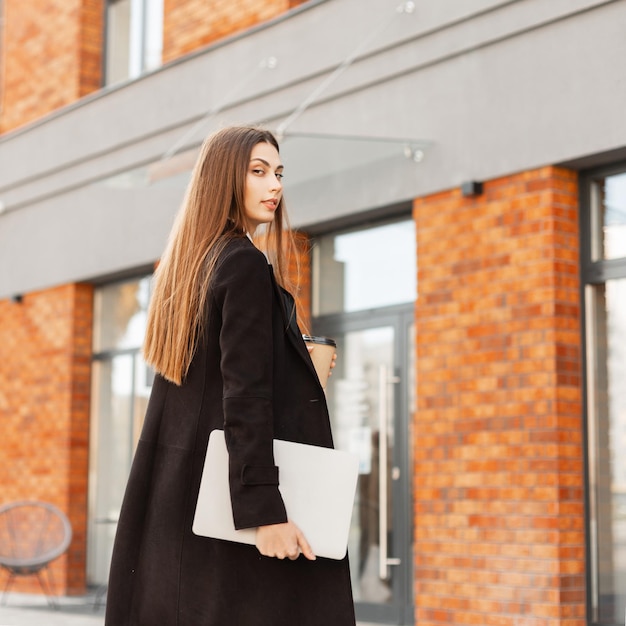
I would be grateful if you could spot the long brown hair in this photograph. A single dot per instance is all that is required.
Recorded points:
(211, 214)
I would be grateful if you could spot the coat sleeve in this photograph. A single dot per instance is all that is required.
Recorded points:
(243, 293)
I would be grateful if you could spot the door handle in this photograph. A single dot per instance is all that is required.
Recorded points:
(385, 380)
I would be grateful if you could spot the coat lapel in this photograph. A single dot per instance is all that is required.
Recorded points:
(290, 323)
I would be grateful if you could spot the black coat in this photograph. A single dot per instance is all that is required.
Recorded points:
(253, 377)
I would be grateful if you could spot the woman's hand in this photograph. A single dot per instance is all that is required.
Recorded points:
(310, 348)
(283, 541)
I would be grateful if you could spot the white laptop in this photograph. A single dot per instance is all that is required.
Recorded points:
(317, 485)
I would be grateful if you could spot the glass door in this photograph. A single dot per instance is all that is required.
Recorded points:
(364, 291)
(368, 402)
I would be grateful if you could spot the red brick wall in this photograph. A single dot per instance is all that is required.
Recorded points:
(52, 51)
(45, 369)
(52, 56)
(91, 43)
(498, 458)
(191, 24)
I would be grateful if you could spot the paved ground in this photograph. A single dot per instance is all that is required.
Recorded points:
(31, 610)
(26, 610)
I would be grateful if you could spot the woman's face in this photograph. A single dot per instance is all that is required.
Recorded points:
(263, 189)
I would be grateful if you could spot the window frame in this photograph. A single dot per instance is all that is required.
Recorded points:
(143, 7)
(599, 271)
(593, 273)
(345, 228)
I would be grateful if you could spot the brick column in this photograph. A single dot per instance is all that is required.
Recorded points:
(499, 510)
(45, 369)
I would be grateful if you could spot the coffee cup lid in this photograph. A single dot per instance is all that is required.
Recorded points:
(322, 340)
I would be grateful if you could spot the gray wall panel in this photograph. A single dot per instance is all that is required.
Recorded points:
(520, 103)
(495, 87)
(79, 236)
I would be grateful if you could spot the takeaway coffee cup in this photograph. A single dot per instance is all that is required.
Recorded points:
(322, 355)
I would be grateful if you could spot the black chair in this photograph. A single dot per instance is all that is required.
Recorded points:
(32, 535)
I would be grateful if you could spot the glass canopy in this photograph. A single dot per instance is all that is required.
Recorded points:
(307, 157)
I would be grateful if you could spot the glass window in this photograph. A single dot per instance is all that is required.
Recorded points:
(121, 384)
(365, 269)
(134, 39)
(120, 312)
(608, 218)
(606, 312)
(603, 218)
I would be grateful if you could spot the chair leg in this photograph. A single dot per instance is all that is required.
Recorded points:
(6, 588)
(100, 597)
(47, 587)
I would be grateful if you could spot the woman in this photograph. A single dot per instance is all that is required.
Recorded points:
(228, 354)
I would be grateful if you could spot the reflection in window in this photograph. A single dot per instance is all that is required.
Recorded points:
(120, 312)
(134, 38)
(354, 397)
(606, 311)
(609, 218)
(365, 269)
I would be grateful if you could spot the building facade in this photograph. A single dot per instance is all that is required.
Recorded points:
(456, 173)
